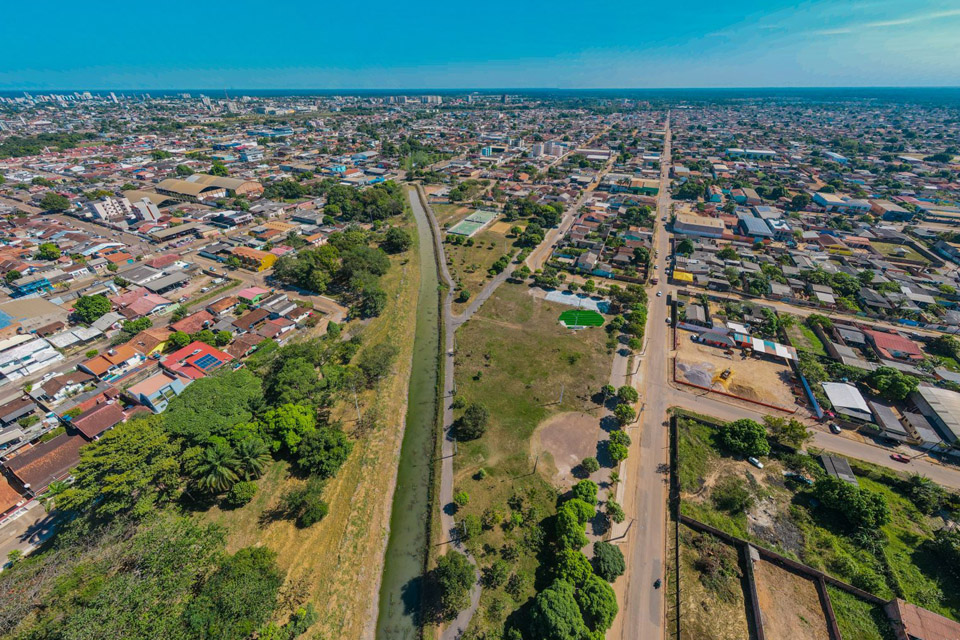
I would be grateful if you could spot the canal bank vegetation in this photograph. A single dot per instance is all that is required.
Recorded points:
(255, 505)
(513, 362)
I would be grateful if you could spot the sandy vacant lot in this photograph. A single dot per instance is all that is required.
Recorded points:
(568, 438)
(753, 378)
(789, 605)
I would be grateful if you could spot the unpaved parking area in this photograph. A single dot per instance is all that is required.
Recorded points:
(789, 605)
(568, 438)
(753, 378)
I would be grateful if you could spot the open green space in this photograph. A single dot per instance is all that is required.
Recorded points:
(514, 359)
(779, 512)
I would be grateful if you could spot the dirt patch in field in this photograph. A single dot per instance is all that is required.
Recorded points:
(568, 438)
(503, 227)
(789, 605)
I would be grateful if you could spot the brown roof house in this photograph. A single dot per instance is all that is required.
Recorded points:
(93, 422)
(36, 468)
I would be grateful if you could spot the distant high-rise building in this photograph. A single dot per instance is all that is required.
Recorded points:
(113, 97)
(431, 99)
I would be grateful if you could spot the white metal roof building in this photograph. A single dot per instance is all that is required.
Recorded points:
(847, 400)
(942, 408)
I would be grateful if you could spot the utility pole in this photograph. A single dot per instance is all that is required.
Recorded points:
(560, 401)
(356, 404)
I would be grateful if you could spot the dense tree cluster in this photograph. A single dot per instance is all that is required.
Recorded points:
(746, 437)
(858, 508)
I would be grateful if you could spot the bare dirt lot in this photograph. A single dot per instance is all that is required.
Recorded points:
(568, 438)
(753, 378)
(789, 605)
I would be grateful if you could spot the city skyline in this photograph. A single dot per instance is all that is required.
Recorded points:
(757, 44)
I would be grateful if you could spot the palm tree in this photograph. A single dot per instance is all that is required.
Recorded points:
(252, 456)
(216, 470)
(48, 498)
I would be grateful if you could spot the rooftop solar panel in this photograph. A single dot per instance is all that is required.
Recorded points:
(207, 361)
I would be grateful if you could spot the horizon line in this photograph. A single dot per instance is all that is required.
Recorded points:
(481, 89)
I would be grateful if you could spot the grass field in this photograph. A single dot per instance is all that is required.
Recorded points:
(804, 338)
(513, 357)
(470, 265)
(892, 250)
(783, 519)
(336, 563)
(581, 318)
(858, 619)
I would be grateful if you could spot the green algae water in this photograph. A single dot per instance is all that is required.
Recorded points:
(401, 585)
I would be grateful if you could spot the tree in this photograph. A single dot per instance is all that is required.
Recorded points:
(237, 598)
(461, 498)
(183, 170)
(891, 383)
(618, 452)
(54, 202)
(746, 437)
(214, 406)
(473, 423)
(608, 561)
(287, 425)
(216, 471)
(573, 567)
(453, 577)
(252, 458)
(928, 496)
(323, 451)
(859, 508)
(586, 490)
(293, 381)
(222, 338)
(685, 247)
(306, 503)
(791, 433)
(625, 414)
(569, 530)
(614, 510)
(728, 253)
(800, 201)
(12, 276)
(598, 603)
(130, 469)
(628, 394)
(88, 309)
(396, 240)
(555, 614)
(377, 361)
(590, 465)
(48, 251)
(178, 340)
(218, 169)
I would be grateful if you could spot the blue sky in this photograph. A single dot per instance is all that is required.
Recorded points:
(108, 44)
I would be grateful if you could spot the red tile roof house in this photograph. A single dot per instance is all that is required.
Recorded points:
(93, 422)
(36, 468)
(893, 346)
(10, 498)
(139, 302)
(195, 360)
(193, 322)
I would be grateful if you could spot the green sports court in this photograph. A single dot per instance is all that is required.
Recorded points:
(472, 223)
(578, 318)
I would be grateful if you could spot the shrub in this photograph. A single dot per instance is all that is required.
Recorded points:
(732, 495)
(615, 511)
(461, 498)
(473, 423)
(241, 493)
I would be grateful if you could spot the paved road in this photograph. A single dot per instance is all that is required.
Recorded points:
(642, 612)
(25, 531)
(641, 606)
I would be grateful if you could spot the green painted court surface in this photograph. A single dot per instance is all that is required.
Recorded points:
(581, 318)
(472, 223)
